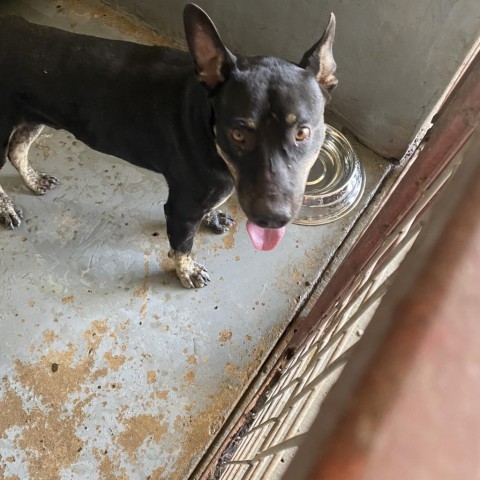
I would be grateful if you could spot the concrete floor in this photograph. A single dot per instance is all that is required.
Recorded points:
(109, 368)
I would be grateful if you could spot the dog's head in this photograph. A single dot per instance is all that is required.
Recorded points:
(269, 124)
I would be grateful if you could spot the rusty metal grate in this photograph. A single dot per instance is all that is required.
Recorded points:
(280, 424)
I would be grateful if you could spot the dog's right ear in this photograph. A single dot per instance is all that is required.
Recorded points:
(213, 61)
(319, 59)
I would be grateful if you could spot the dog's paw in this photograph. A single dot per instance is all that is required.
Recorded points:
(190, 273)
(10, 215)
(218, 222)
(42, 182)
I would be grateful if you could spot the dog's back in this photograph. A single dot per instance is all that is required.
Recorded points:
(37, 51)
(86, 85)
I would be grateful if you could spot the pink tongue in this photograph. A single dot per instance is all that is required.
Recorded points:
(264, 238)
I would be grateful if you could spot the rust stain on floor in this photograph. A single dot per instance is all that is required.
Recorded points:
(2, 474)
(50, 443)
(114, 361)
(61, 385)
(138, 429)
(224, 336)
(108, 469)
(229, 238)
(157, 474)
(151, 377)
(48, 432)
(189, 376)
(68, 299)
(159, 395)
(49, 336)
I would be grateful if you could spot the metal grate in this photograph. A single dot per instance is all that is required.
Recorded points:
(281, 423)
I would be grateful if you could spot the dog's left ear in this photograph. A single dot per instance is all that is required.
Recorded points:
(319, 59)
(213, 61)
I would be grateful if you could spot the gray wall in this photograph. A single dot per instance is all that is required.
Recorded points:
(394, 57)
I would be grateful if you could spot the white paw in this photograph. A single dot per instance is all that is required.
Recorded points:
(10, 215)
(190, 273)
(41, 182)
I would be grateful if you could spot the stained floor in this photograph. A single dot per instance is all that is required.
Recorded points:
(108, 367)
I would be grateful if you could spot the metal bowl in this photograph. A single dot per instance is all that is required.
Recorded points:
(335, 183)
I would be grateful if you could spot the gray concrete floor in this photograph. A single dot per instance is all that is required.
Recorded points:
(109, 368)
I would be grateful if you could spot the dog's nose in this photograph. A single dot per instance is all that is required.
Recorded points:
(270, 212)
(271, 221)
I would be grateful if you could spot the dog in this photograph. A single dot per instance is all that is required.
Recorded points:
(209, 120)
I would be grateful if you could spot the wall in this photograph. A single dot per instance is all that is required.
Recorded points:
(395, 58)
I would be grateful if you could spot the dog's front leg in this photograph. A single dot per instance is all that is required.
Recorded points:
(181, 230)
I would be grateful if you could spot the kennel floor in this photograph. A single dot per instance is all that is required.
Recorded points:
(108, 367)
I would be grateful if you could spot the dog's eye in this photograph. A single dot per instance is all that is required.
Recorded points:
(302, 134)
(237, 135)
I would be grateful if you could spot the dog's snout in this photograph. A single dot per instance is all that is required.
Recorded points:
(270, 223)
(270, 212)
(271, 220)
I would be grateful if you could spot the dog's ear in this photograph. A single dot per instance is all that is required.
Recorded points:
(319, 59)
(213, 61)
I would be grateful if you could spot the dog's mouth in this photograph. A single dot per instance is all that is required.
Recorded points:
(264, 239)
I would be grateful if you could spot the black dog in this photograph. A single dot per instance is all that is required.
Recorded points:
(219, 122)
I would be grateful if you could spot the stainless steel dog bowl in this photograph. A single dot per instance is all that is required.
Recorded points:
(335, 183)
